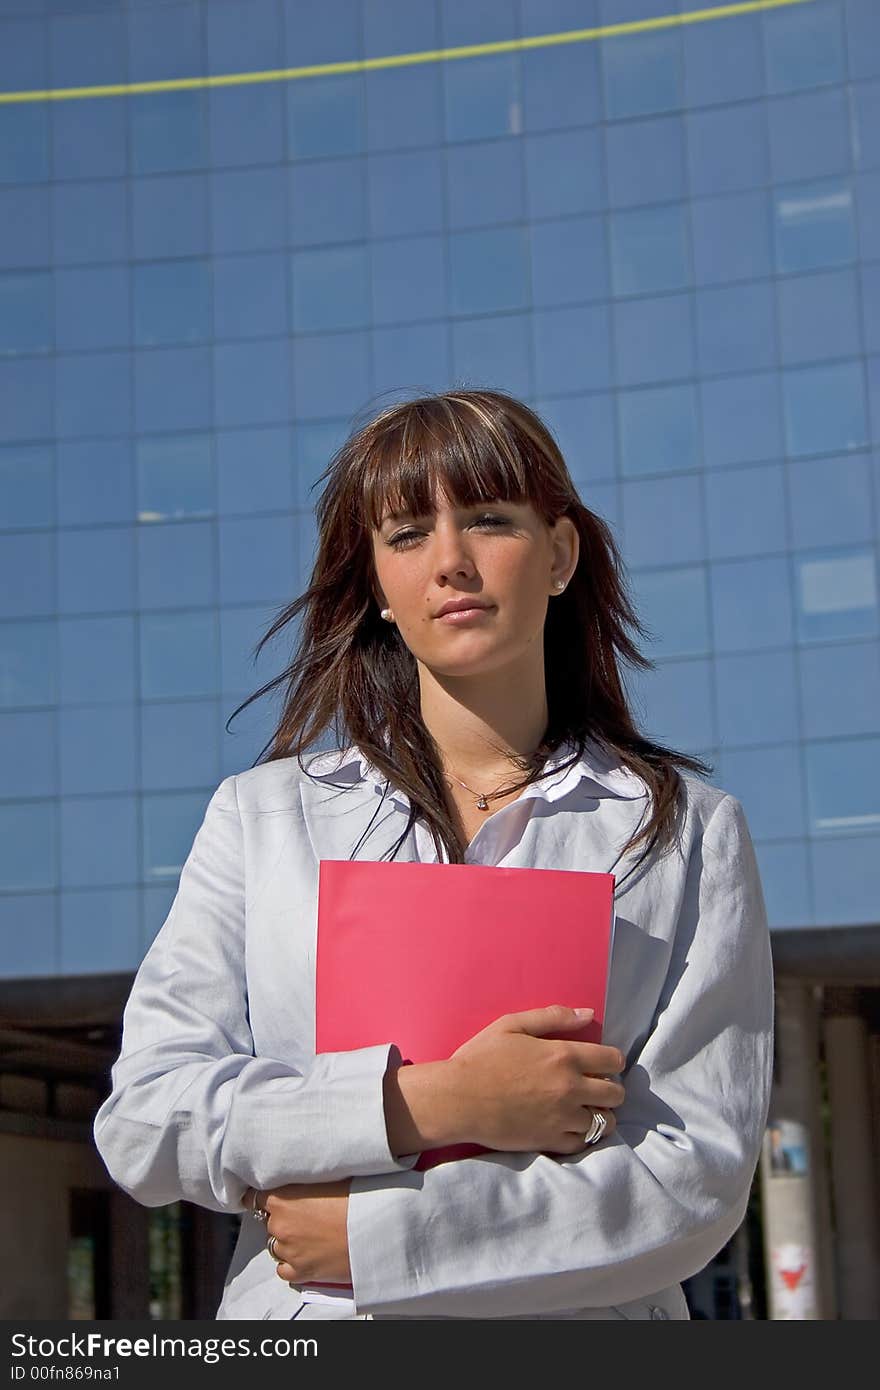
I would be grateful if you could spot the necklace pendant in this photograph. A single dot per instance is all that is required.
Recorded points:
(482, 804)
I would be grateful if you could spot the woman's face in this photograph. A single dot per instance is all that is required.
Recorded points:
(501, 555)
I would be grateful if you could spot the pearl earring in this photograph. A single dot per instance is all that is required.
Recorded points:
(559, 585)
(387, 615)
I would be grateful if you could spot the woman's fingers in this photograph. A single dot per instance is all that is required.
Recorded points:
(601, 1093)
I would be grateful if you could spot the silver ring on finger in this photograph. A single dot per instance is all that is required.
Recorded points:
(270, 1246)
(596, 1130)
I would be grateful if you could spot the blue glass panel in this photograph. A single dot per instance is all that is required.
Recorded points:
(27, 664)
(677, 702)
(672, 603)
(836, 594)
(406, 195)
(95, 481)
(603, 499)
(658, 510)
(824, 408)
(24, 143)
(866, 118)
(586, 431)
(330, 288)
(813, 225)
(257, 559)
(478, 21)
(742, 419)
(86, 50)
(785, 879)
(93, 394)
(409, 361)
(485, 183)
(306, 547)
(870, 285)
(809, 135)
(248, 210)
(97, 660)
(658, 430)
(176, 565)
(730, 70)
(569, 261)
(254, 470)
(641, 73)
(496, 350)
(180, 655)
(769, 783)
(23, 65)
(180, 745)
(863, 38)
(415, 90)
(561, 84)
(653, 339)
(757, 697)
(99, 841)
(804, 47)
(482, 97)
(843, 782)
(736, 328)
(315, 447)
(243, 36)
(169, 130)
(97, 747)
(873, 365)
(173, 389)
(27, 928)
(830, 501)
(26, 399)
(25, 312)
(246, 124)
(240, 631)
(489, 270)
(564, 173)
(28, 848)
(100, 931)
(408, 279)
(645, 161)
(170, 823)
(572, 350)
(165, 42)
(175, 477)
(649, 249)
(172, 302)
(27, 579)
(846, 874)
(819, 316)
(745, 511)
(727, 149)
(841, 689)
(751, 604)
(400, 26)
(27, 486)
(327, 201)
(331, 374)
(731, 238)
(95, 571)
(28, 753)
(252, 382)
(24, 227)
(321, 31)
(89, 222)
(170, 216)
(89, 138)
(250, 296)
(249, 734)
(92, 308)
(325, 116)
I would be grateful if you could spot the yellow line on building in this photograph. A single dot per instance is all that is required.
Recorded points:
(397, 60)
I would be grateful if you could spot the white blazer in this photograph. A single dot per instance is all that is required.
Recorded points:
(218, 1088)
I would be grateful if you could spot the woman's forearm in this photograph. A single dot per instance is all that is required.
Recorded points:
(422, 1110)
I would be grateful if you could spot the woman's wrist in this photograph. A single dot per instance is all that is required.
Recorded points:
(422, 1110)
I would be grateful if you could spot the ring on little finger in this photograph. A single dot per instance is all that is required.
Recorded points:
(270, 1246)
(596, 1130)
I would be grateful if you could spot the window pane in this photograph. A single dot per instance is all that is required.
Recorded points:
(249, 296)
(99, 841)
(485, 183)
(769, 783)
(731, 238)
(751, 604)
(240, 631)
(488, 270)
(649, 249)
(585, 429)
(841, 689)
(164, 42)
(564, 173)
(813, 225)
(89, 138)
(248, 210)
(477, 21)
(89, 222)
(330, 288)
(180, 744)
(804, 47)
(93, 394)
(327, 201)
(252, 382)
(819, 316)
(809, 135)
(408, 279)
(677, 702)
(255, 470)
(837, 594)
(331, 374)
(569, 261)
(411, 360)
(742, 419)
(736, 328)
(173, 388)
(656, 510)
(830, 501)
(28, 752)
(244, 36)
(757, 697)
(27, 664)
(870, 280)
(847, 879)
(658, 430)
(325, 115)
(28, 846)
(641, 73)
(672, 603)
(23, 58)
(27, 578)
(247, 124)
(176, 565)
(745, 509)
(172, 302)
(175, 477)
(27, 934)
(824, 408)
(785, 879)
(728, 71)
(24, 227)
(97, 747)
(95, 481)
(400, 26)
(100, 931)
(27, 486)
(26, 319)
(24, 143)
(561, 84)
(653, 339)
(257, 559)
(95, 572)
(843, 781)
(482, 97)
(97, 660)
(322, 31)
(315, 446)
(406, 195)
(170, 823)
(92, 308)
(645, 161)
(85, 50)
(170, 216)
(169, 130)
(572, 350)
(496, 349)
(863, 37)
(415, 90)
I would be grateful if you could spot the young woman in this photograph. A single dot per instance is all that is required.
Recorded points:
(463, 636)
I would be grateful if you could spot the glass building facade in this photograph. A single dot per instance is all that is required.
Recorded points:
(666, 240)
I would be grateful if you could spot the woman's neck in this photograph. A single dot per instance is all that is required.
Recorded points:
(478, 731)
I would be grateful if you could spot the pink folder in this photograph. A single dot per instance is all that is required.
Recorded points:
(426, 955)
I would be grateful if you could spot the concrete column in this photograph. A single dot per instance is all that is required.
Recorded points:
(853, 1163)
(792, 1169)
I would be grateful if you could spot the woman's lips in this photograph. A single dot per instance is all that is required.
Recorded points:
(463, 615)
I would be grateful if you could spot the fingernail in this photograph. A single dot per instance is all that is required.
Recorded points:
(585, 1013)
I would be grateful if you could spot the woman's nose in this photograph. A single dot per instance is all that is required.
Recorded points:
(451, 554)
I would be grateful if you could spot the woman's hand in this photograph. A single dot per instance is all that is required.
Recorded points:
(310, 1224)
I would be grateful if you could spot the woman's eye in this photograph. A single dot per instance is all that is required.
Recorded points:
(403, 539)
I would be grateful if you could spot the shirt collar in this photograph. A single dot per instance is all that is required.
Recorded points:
(603, 773)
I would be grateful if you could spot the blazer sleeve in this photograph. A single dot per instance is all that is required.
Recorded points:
(192, 1112)
(505, 1234)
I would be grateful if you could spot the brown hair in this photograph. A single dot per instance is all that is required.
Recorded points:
(352, 670)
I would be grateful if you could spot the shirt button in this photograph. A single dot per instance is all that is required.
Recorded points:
(659, 1315)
